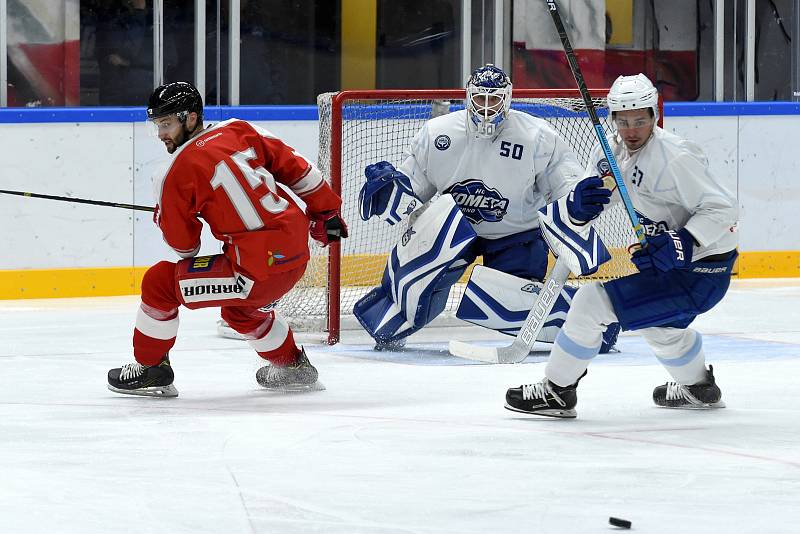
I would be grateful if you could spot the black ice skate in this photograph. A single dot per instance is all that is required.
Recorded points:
(703, 395)
(149, 381)
(297, 376)
(544, 398)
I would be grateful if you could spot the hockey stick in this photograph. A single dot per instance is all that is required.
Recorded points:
(521, 347)
(79, 200)
(598, 128)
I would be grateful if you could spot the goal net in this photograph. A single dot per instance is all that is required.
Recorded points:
(357, 128)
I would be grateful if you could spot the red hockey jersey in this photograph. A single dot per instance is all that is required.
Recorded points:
(228, 177)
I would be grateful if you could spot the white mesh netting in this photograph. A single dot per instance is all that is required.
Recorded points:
(376, 129)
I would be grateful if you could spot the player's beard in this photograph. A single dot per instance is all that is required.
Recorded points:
(173, 144)
(184, 135)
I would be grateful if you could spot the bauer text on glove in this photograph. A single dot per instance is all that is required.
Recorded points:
(665, 251)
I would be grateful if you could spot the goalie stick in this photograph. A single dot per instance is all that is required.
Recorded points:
(78, 200)
(521, 347)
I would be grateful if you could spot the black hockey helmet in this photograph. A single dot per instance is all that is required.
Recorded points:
(177, 98)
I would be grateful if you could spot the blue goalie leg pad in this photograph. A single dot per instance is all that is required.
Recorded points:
(501, 302)
(430, 258)
(373, 309)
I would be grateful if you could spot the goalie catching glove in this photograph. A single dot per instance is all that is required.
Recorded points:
(387, 193)
(327, 227)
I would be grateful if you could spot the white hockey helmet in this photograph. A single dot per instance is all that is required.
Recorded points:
(633, 92)
(488, 99)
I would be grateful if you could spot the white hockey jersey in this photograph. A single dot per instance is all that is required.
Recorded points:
(500, 183)
(671, 188)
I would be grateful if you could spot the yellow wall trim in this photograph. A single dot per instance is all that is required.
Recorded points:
(769, 264)
(101, 282)
(48, 283)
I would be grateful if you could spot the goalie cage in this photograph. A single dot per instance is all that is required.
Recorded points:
(357, 128)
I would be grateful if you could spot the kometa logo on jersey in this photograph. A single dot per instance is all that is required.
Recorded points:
(479, 202)
(651, 227)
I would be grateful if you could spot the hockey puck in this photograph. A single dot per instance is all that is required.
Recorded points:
(621, 523)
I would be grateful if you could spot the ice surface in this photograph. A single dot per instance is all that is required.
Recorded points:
(403, 442)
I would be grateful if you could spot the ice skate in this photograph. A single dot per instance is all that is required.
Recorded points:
(703, 395)
(148, 381)
(297, 376)
(225, 330)
(543, 398)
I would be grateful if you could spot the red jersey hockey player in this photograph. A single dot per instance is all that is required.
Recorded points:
(227, 175)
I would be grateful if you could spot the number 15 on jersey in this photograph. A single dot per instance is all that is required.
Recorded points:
(224, 178)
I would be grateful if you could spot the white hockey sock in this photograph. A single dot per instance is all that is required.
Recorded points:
(581, 336)
(277, 330)
(680, 351)
(153, 322)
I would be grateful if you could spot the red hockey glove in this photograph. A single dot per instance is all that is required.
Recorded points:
(327, 227)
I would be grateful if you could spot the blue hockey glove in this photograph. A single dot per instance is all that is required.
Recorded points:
(586, 200)
(665, 251)
(376, 193)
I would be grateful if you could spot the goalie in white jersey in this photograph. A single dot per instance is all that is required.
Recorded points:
(494, 168)
(684, 270)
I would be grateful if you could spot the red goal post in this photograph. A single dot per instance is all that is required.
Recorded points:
(357, 128)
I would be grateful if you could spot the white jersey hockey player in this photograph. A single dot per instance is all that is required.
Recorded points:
(684, 270)
(494, 168)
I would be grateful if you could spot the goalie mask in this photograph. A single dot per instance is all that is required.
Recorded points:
(633, 92)
(488, 99)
